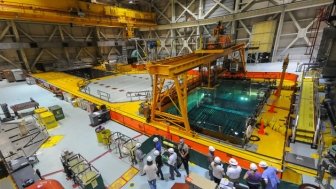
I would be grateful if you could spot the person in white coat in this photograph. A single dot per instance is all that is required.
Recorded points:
(233, 171)
(150, 169)
(217, 170)
(172, 164)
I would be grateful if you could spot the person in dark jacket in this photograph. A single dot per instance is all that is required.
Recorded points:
(159, 164)
(38, 173)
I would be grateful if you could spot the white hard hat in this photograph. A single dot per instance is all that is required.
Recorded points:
(138, 145)
(171, 150)
(217, 159)
(149, 158)
(156, 152)
(211, 149)
(233, 161)
(263, 164)
(253, 166)
(155, 139)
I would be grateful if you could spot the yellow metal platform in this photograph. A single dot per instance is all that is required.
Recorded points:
(306, 122)
(270, 148)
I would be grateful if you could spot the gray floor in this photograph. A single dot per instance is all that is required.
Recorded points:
(79, 137)
(117, 87)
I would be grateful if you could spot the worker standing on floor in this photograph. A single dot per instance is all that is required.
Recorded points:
(183, 150)
(269, 176)
(150, 169)
(253, 177)
(158, 144)
(139, 155)
(172, 162)
(217, 170)
(233, 171)
(211, 157)
(159, 163)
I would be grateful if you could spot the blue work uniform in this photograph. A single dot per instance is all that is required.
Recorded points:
(272, 179)
(158, 146)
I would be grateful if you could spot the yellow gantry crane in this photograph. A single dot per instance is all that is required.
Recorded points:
(75, 12)
(175, 69)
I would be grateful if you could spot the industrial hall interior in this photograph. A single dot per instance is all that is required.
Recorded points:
(168, 94)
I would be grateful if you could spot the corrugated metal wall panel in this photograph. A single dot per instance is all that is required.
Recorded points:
(263, 35)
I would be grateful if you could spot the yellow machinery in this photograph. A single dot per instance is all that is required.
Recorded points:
(175, 69)
(76, 12)
(38, 113)
(48, 120)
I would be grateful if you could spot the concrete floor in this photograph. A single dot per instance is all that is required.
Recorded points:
(80, 138)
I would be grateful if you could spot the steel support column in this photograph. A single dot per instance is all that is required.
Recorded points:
(172, 32)
(21, 53)
(63, 39)
(278, 35)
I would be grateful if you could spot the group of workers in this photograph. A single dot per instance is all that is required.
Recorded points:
(153, 168)
(268, 179)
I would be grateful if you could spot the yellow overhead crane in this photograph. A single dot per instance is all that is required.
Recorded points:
(75, 12)
(175, 69)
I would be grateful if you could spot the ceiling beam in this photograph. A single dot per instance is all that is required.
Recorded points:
(243, 15)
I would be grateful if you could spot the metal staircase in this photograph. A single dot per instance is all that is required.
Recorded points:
(313, 32)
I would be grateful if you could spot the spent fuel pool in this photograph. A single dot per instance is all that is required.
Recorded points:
(226, 110)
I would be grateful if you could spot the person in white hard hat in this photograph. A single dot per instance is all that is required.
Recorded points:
(211, 157)
(269, 176)
(159, 163)
(139, 155)
(150, 169)
(157, 144)
(217, 170)
(253, 177)
(172, 164)
(233, 171)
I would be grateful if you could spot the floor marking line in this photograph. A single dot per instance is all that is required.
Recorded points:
(101, 155)
(137, 136)
(53, 173)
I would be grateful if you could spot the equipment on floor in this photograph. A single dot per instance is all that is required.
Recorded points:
(124, 145)
(327, 164)
(9, 75)
(81, 171)
(22, 138)
(103, 135)
(99, 117)
(47, 183)
(23, 106)
(5, 110)
(23, 172)
(48, 120)
(18, 74)
(57, 111)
